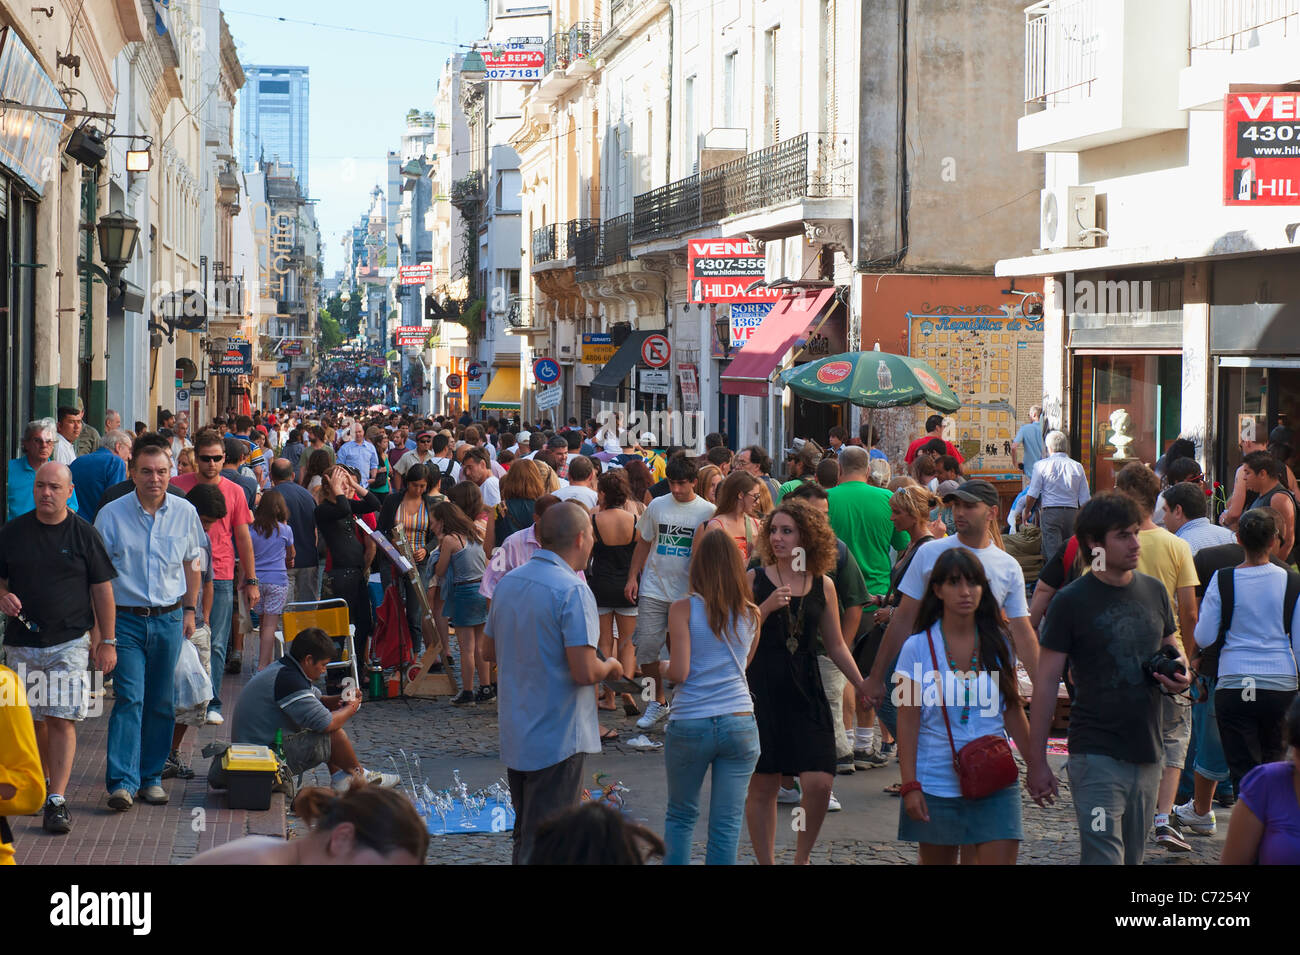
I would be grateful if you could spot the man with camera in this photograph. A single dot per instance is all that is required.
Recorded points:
(1168, 559)
(1117, 629)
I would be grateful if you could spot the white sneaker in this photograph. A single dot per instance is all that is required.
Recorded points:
(214, 718)
(655, 712)
(788, 797)
(1193, 821)
(382, 780)
(834, 804)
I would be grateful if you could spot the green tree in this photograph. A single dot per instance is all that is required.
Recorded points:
(331, 333)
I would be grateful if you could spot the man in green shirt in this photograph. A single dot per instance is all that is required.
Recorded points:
(802, 460)
(860, 517)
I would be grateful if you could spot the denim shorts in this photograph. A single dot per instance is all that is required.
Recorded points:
(957, 821)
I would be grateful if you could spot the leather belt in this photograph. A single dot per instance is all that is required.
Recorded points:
(149, 611)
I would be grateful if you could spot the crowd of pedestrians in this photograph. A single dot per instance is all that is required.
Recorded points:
(781, 634)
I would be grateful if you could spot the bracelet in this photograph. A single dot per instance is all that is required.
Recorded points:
(189, 610)
(909, 787)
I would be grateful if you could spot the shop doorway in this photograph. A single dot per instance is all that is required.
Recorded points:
(1272, 391)
(1140, 392)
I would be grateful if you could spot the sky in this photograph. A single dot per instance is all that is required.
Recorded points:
(361, 84)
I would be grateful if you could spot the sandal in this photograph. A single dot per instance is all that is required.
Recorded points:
(608, 734)
(629, 706)
(605, 706)
(894, 789)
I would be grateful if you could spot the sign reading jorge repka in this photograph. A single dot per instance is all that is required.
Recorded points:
(1261, 149)
(993, 362)
(722, 270)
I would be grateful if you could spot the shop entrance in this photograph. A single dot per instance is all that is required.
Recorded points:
(1147, 387)
(1272, 391)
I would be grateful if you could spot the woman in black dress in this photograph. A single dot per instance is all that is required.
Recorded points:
(611, 559)
(797, 605)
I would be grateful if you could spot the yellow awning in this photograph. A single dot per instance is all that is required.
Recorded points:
(503, 390)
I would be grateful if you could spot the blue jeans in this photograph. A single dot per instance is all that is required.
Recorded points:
(223, 606)
(728, 745)
(140, 728)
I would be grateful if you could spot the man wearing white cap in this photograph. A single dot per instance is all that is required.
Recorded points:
(645, 447)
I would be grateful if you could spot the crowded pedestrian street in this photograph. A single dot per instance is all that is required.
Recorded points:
(668, 433)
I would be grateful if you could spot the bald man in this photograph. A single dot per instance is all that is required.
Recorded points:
(54, 587)
(542, 632)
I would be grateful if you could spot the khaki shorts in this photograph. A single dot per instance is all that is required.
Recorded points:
(306, 750)
(651, 629)
(1175, 730)
(56, 678)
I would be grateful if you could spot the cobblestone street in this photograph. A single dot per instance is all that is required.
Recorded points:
(447, 738)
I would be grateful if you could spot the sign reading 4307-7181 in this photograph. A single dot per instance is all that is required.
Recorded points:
(514, 62)
(1261, 149)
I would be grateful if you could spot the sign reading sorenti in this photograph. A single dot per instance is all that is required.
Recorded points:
(722, 270)
(1261, 149)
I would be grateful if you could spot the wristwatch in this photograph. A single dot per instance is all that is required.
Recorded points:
(108, 643)
(189, 610)
(250, 581)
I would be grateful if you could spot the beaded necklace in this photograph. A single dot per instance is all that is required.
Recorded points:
(968, 678)
(793, 622)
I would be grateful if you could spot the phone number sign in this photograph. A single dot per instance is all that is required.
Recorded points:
(1261, 149)
(514, 64)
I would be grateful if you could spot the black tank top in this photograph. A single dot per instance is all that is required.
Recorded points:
(610, 564)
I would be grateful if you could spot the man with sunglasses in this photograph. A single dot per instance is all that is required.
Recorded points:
(423, 454)
(226, 536)
(38, 445)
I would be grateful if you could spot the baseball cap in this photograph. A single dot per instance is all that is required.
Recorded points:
(805, 450)
(523, 436)
(974, 492)
(648, 438)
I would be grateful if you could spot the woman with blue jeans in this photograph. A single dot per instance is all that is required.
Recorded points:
(711, 724)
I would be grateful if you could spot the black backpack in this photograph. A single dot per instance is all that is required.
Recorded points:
(1209, 659)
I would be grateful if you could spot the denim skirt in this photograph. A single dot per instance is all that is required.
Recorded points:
(956, 821)
(468, 607)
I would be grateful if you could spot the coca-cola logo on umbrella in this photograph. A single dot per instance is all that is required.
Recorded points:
(927, 380)
(833, 372)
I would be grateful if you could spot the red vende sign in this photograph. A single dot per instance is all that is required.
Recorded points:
(720, 270)
(513, 58)
(1261, 149)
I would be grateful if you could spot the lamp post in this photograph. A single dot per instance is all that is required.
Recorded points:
(118, 236)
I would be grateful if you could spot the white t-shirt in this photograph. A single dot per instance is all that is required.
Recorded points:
(491, 491)
(412, 458)
(670, 527)
(580, 493)
(1006, 578)
(934, 768)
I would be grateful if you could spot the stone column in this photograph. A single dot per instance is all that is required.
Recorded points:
(1197, 395)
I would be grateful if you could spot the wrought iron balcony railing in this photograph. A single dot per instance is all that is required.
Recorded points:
(582, 37)
(615, 240)
(584, 241)
(545, 246)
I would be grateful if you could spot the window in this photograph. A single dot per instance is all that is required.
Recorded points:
(691, 159)
(729, 89)
(771, 86)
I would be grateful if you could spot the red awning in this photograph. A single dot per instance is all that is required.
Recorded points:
(790, 318)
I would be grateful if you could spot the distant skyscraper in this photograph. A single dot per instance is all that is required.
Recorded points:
(273, 117)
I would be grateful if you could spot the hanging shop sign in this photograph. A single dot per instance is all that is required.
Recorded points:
(415, 274)
(1261, 149)
(745, 319)
(690, 382)
(517, 61)
(597, 348)
(722, 270)
(237, 359)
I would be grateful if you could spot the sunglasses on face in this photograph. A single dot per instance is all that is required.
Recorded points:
(211, 457)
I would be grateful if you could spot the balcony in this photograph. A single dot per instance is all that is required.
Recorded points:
(467, 194)
(1239, 43)
(615, 240)
(817, 166)
(1101, 71)
(565, 61)
(549, 244)
(520, 318)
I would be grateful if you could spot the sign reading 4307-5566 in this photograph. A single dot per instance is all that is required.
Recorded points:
(1261, 149)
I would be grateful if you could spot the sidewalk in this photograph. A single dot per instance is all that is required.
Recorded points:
(195, 819)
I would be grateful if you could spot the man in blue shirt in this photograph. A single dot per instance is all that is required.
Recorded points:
(153, 540)
(361, 454)
(302, 520)
(1031, 441)
(95, 473)
(38, 446)
(542, 633)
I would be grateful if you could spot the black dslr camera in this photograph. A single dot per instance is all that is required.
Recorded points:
(1164, 662)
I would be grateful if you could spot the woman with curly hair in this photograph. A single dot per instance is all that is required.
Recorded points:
(797, 607)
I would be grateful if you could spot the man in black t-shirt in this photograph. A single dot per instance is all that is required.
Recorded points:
(54, 587)
(1108, 623)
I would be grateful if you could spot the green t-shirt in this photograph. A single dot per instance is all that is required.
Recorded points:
(789, 486)
(860, 517)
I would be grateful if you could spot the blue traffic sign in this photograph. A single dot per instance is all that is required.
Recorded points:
(474, 371)
(546, 370)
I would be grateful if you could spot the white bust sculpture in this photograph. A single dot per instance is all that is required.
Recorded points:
(1120, 439)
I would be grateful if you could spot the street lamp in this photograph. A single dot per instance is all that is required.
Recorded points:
(473, 69)
(118, 236)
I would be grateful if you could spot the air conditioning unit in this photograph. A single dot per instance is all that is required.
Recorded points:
(1068, 218)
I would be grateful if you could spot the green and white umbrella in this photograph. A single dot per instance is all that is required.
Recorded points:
(871, 379)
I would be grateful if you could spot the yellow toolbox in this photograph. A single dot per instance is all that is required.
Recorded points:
(251, 772)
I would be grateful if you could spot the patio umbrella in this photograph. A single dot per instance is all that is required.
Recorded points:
(871, 379)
